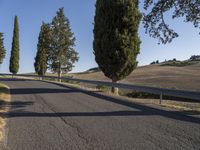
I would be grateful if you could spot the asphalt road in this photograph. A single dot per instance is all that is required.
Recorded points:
(45, 116)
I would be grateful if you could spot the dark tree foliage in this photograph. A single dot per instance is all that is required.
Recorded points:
(195, 57)
(116, 41)
(2, 49)
(157, 61)
(152, 63)
(62, 54)
(14, 58)
(154, 21)
(41, 59)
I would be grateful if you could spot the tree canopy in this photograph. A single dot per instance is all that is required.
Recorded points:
(116, 41)
(154, 17)
(43, 47)
(62, 55)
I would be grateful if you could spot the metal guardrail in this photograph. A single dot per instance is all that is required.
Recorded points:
(153, 90)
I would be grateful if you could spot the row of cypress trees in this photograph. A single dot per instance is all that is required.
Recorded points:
(116, 41)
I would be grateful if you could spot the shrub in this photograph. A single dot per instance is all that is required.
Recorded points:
(102, 88)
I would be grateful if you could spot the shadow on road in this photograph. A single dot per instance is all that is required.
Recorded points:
(40, 91)
(15, 104)
(14, 79)
(75, 114)
(172, 115)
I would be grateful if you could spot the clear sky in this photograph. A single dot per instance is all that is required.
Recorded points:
(31, 13)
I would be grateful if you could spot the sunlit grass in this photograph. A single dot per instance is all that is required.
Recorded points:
(4, 97)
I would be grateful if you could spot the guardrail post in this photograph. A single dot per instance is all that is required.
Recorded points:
(161, 97)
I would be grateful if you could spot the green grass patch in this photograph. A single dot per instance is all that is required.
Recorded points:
(102, 88)
(3, 89)
(144, 95)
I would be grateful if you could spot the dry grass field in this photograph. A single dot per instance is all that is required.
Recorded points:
(4, 100)
(158, 75)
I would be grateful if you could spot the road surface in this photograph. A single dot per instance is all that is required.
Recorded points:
(46, 116)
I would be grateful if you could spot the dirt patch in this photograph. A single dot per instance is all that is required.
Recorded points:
(4, 98)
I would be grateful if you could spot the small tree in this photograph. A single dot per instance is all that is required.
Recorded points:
(116, 42)
(62, 54)
(195, 57)
(14, 58)
(41, 59)
(2, 49)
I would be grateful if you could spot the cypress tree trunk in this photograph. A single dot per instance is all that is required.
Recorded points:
(59, 73)
(115, 90)
(43, 72)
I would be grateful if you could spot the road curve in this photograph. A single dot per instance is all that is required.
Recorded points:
(46, 116)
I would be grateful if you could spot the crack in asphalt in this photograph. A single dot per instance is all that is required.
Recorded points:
(78, 130)
(60, 133)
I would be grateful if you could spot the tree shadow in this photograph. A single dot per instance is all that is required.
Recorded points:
(14, 104)
(22, 113)
(14, 79)
(40, 91)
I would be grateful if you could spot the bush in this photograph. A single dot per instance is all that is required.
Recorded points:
(102, 88)
(174, 59)
(195, 57)
(152, 63)
(136, 94)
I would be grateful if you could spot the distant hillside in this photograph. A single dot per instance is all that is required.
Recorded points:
(159, 75)
(95, 69)
(178, 63)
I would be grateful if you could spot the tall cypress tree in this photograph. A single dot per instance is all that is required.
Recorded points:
(43, 46)
(14, 58)
(62, 54)
(116, 41)
(2, 49)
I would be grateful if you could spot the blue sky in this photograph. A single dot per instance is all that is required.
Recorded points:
(31, 13)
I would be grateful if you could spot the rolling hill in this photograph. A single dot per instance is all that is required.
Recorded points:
(185, 77)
